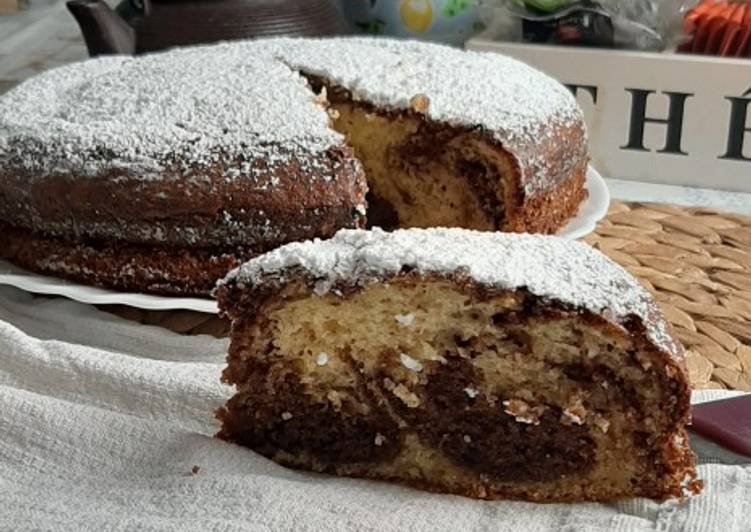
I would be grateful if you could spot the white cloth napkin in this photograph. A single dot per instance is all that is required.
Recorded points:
(102, 422)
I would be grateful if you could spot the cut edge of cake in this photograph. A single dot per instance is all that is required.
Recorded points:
(486, 365)
(182, 186)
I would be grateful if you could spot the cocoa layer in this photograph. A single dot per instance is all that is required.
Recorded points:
(274, 413)
(470, 432)
(486, 439)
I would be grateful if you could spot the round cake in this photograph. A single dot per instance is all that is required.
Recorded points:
(160, 173)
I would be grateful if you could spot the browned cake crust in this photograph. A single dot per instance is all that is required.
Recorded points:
(445, 383)
(195, 210)
(173, 236)
(547, 213)
(126, 267)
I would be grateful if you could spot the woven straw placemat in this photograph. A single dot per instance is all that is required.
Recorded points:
(697, 263)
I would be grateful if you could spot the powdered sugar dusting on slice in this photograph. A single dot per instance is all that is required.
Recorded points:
(549, 267)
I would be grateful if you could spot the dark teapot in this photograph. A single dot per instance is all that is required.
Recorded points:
(138, 26)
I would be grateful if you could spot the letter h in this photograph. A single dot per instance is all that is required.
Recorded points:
(639, 119)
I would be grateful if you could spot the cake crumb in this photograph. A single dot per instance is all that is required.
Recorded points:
(467, 438)
(420, 103)
(405, 320)
(601, 423)
(471, 392)
(195, 470)
(334, 399)
(407, 397)
(568, 418)
(690, 486)
(379, 439)
(410, 363)
(322, 97)
(322, 287)
(286, 416)
(322, 358)
(646, 364)
(523, 412)
(574, 413)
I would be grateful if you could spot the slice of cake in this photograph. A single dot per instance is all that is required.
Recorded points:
(484, 364)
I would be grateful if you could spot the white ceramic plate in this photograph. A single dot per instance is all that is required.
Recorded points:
(591, 211)
(42, 284)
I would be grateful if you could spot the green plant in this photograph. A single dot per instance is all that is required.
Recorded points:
(373, 27)
(544, 5)
(454, 7)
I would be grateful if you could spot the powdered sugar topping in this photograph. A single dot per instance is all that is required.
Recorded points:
(194, 107)
(513, 101)
(235, 103)
(462, 87)
(549, 267)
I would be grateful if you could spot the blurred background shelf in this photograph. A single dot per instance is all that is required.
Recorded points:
(39, 37)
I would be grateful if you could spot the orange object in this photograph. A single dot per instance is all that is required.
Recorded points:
(719, 27)
(744, 42)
